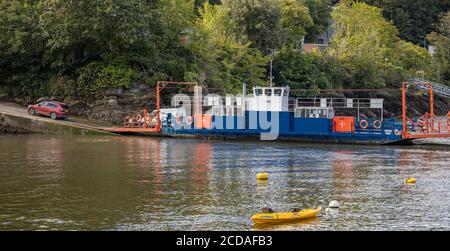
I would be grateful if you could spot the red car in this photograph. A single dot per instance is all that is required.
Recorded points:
(54, 110)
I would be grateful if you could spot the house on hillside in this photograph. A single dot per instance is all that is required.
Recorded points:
(322, 42)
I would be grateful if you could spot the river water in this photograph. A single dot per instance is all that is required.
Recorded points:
(132, 183)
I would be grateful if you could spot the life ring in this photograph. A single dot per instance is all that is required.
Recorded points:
(377, 124)
(397, 132)
(128, 120)
(139, 118)
(364, 124)
(189, 120)
(179, 119)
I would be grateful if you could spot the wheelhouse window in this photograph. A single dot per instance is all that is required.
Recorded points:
(268, 92)
(258, 92)
(277, 92)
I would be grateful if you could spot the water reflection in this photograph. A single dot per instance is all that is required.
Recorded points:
(97, 183)
(343, 169)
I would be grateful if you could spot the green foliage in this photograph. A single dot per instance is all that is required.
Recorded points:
(370, 45)
(79, 32)
(269, 24)
(300, 71)
(81, 48)
(414, 19)
(411, 58)
(441, 41)
(295, 19)
(361, 32)
(98, 76)
(320, 12)
(221, 60)
(177, 16)
(257, 21)
(21, 47)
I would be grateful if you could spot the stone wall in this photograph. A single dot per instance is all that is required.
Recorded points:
(16, 124)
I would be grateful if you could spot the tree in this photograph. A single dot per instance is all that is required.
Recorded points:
(441, 41)
(21, 47)
(269, 24)
(369, 43)
(411, 58)
(79, 32)
(361, 32)
(320, 12)
(257, 21)
(414, 19)
(306, 71)
(222, 61)
(295, 19)
(112, 43)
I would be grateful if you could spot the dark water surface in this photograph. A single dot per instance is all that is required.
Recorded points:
(119, 183)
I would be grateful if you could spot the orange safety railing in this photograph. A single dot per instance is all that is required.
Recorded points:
(427, 126)
(143, 120)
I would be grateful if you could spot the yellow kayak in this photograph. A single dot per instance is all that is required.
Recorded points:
(262, 218)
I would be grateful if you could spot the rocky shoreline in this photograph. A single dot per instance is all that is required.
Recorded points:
(110, 106)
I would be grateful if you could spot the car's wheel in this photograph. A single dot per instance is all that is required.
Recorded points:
(31, 111)
(53, 116)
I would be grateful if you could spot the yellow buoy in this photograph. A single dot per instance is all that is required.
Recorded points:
(410, 181)
(262, 176)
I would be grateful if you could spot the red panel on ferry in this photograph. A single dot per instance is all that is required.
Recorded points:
(344, 124)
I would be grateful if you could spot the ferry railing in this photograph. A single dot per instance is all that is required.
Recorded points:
(141, 120)
(343, 103)
(429, 125)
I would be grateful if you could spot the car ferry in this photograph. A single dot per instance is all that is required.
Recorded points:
(270, 114)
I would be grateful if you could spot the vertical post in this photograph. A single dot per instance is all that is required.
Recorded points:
(244, 93)
(158, 117)
(431, 106)
(271, 69)
(145, 118)
(196, 95)
(431, 99)
(358, 112)
(405, 128)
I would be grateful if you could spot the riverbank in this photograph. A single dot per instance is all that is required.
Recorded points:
(15, 119)
(115, 104)
(11, 130)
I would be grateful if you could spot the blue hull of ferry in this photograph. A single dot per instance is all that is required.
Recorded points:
(290, 129)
